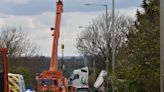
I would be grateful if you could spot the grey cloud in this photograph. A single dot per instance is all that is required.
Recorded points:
(33, 7)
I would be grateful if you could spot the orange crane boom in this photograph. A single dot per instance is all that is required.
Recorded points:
(56, 33)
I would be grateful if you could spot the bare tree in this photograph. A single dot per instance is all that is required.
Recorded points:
(95, 40)
(17, 42)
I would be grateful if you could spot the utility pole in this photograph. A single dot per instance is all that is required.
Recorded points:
(107, 60)
(162, 47)
(113, 48)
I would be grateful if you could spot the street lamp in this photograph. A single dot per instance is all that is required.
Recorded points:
(106, 12)
(113, 47)
(113, 38)
(107, 61)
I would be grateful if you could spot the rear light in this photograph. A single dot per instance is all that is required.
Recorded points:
(74, 88)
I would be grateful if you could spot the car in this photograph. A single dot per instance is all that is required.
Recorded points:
(29, 90)
(82, 90)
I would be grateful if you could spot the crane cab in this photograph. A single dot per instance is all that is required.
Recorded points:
(50, 84)
(53, 81)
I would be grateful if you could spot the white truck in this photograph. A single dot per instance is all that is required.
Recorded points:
(79, 79)
(100, 80)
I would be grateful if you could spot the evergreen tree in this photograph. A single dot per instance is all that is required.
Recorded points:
(141, 56)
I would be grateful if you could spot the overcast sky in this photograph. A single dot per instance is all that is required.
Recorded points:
(36, 17)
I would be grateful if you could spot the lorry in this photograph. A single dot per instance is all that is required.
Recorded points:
(98, 85)
(79, 79)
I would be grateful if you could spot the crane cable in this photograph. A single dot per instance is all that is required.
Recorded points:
(62, 44)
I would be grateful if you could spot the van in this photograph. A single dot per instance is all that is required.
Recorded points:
(16, 83)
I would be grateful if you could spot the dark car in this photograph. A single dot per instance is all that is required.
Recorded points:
(82, 90)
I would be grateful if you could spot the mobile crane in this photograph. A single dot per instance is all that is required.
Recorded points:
(52, 79)
(9, 82)
(4, 73)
